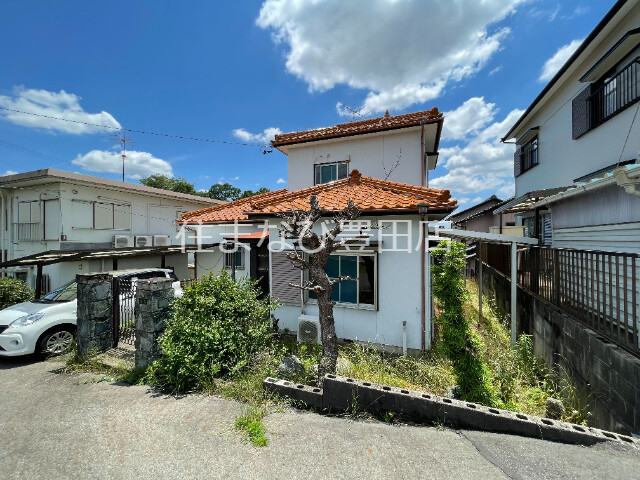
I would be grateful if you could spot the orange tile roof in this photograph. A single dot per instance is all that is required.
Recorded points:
(369, 194)
(363, 126)
(227, 212)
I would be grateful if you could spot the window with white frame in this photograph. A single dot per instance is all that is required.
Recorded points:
(330, 172)
(102, 215)
(237, 256)
(361, 289)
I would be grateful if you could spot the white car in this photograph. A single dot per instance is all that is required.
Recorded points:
(48, 325)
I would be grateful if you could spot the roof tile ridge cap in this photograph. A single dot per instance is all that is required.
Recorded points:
(266, 197)
(407, 188)
(226, 205)
(300, 193)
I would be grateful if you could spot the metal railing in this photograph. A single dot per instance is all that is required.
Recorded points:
(28, 232)
(124, 300)
(598, 288)
(616, 94)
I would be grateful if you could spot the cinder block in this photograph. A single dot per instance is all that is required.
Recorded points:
(339, 393)
(310, 396)
(459, 413)
(510, 422)
(417, 405)
(375, 398)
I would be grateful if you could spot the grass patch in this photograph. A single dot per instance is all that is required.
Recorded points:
(523, 381)
(251, 425)
(91, 363)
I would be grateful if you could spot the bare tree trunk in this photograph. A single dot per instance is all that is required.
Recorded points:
(328, 332)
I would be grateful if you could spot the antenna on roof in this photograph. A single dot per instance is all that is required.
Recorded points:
(122, 139)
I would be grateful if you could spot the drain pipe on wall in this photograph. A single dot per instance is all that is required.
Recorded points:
(404, 338)
(422, 210)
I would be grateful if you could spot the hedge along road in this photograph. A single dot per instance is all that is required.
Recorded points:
(74, 426)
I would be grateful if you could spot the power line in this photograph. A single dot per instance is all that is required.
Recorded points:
(144, 132)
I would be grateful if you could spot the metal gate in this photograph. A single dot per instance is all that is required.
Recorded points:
(124, 300)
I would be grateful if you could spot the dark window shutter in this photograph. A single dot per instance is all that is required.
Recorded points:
(517, 161)
(581, 112)
(342, 171)
(282, 274)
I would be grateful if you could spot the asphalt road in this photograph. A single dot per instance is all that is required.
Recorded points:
(58, 426)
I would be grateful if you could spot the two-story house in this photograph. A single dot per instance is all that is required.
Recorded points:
(51, 216)
(578, 144)
(380, 164)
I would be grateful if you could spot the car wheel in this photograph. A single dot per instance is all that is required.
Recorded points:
(56, 342)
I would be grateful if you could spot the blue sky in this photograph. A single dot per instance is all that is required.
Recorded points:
(239, 71)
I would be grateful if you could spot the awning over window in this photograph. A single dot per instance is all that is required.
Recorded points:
(524, 202)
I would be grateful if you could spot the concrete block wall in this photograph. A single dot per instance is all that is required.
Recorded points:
(609, 376)
(345, 394)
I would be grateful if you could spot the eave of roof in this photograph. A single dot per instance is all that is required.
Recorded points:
(61, 175)
(466, 210)
(583, 46)
(379, 124)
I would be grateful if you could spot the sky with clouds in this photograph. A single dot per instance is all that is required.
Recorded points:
(234, 74)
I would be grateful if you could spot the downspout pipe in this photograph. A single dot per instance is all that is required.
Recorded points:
(422, 209)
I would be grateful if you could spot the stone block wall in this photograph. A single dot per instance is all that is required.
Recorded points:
(153, 306)
(95, 313)
(608, 375)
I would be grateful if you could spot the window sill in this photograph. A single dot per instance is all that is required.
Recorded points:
(527, 170)
(350, 306)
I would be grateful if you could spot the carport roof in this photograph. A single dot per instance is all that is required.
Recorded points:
(56, 256)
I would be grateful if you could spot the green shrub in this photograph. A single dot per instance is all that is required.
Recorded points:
(462, 346)
(14, 291)
(215, 329)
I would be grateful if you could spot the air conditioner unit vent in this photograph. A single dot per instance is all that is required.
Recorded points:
(308, 329)
(161, 240)
(122, 241)
(144, 241)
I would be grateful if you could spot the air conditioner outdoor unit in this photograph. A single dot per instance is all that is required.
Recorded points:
(122, 241)
(161, 240)
(143, 240)
(308, 329)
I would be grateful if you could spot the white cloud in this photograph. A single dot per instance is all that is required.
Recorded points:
(137, 164)
(281, 180)
(53, 104)
(482, 163)
(13, 172)
(468, 118)
(495, 70)
(554, 64)
(400, 52)
(265, 137)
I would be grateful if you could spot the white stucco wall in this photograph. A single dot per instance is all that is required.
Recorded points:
(562, 159)
(373, 155)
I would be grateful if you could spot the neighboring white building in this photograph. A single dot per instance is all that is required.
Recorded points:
(582, 126)
(51, 210)
(389, 297)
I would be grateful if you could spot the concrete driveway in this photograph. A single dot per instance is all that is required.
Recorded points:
(75, 426)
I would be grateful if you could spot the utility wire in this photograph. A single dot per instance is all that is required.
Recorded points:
(144, 132)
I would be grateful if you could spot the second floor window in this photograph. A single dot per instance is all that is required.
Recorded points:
(529, 155)
(330, 172)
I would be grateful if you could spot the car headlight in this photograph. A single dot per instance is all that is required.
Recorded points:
(26, 320)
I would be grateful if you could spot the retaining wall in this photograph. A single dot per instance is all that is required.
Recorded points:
(609, 376)
(347, 394)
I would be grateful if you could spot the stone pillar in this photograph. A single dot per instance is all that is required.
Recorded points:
(153, 302)
(95, 313)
